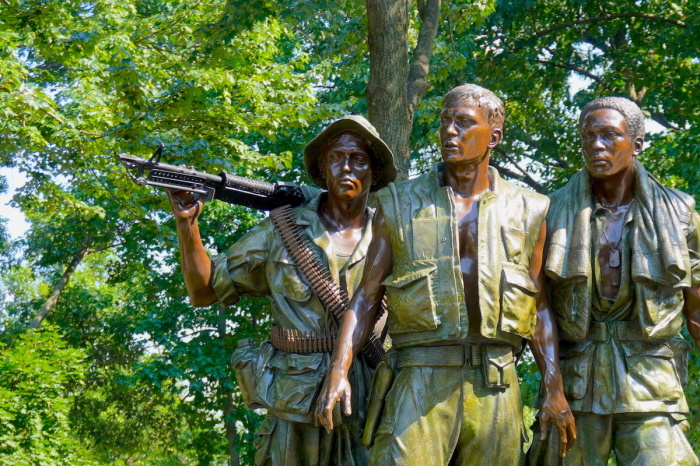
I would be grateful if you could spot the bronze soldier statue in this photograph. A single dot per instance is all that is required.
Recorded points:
(622, 266)
(348, 160)
(458, 252)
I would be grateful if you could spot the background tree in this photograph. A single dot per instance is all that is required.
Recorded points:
(241, 87)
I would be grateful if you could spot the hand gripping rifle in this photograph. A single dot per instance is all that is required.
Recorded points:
(224, 187)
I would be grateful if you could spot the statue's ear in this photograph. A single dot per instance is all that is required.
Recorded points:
(638, 146)
(496, 136)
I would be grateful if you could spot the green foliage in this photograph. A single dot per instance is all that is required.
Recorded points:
(39, 376)
(241, 87)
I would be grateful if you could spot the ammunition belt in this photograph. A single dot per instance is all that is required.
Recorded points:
(332, 296)
(297, 341)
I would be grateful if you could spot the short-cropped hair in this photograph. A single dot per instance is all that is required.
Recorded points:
(471, 94)
(630, 110)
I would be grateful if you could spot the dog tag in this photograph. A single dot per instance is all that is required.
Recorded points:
(614, 259)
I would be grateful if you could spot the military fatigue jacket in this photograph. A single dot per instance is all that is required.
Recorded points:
(260, 265)
(425, 292)
(617, 368)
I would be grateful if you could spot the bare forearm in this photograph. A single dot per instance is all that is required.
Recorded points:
(545, 349)
(691, 310)
(356, 328)
(196, 265)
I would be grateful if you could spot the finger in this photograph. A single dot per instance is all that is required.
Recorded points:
(571, 433)
(562, 443)
(347, 405)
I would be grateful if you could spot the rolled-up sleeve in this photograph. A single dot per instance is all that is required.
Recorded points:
(241, 270)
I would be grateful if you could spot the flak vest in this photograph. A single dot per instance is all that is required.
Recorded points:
(658, 308)
(425, 292)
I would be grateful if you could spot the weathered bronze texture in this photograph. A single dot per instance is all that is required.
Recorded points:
(459, 253)
(283, 375)
(623, 267)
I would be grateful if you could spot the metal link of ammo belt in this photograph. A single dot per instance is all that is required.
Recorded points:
(331, 295)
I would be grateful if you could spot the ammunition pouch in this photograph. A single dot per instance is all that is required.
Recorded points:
(381, 383)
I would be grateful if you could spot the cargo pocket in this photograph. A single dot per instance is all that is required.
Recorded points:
(287, 280)
(263, 441)
(575, 364)
(518, 302)
(245, 362)
(410, 299)
(295, 379)
(651, 371)
(680, 348)
(496, 362)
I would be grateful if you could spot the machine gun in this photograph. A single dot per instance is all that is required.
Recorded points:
(224, 187)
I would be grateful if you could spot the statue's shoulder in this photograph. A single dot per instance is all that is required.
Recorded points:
(532, 199)
(395, 191)
(683, 201)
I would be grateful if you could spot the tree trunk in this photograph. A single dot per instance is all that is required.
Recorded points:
(51, 303)
(393, 92)
(229, 424)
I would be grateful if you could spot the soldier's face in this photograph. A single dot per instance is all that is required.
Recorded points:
(466, 134)
(347, 167)
(608, 148)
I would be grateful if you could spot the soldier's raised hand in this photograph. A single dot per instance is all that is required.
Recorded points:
(185, 205)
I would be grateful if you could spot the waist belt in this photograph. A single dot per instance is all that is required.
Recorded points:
(439, 356)
(623, 330)
(297, 341)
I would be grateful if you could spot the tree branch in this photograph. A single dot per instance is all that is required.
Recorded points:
(525, 176)
(630, 14)
(429, 11)
(569, 67)
(158, 31)
(50, 303)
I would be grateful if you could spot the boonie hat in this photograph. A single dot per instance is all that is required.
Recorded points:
(358, 123)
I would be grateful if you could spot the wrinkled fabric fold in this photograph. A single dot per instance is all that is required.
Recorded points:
(659, 250)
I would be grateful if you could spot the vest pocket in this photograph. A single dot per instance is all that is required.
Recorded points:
(410, 299)
(651, 371)
(518, 301)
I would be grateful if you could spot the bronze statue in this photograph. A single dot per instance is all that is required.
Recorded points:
(458, 252)
(622, 266)
(348, 159)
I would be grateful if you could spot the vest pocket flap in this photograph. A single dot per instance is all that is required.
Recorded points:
(651, 371)
(401, 280)
(410, 298)
(519, 276)
(518, 302)
(296, 363)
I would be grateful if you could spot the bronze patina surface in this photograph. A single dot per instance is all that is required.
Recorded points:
(350, 160)
(623, 267)
(459, 253)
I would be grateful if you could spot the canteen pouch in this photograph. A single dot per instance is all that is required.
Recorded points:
(381, 383)
(495, 362)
